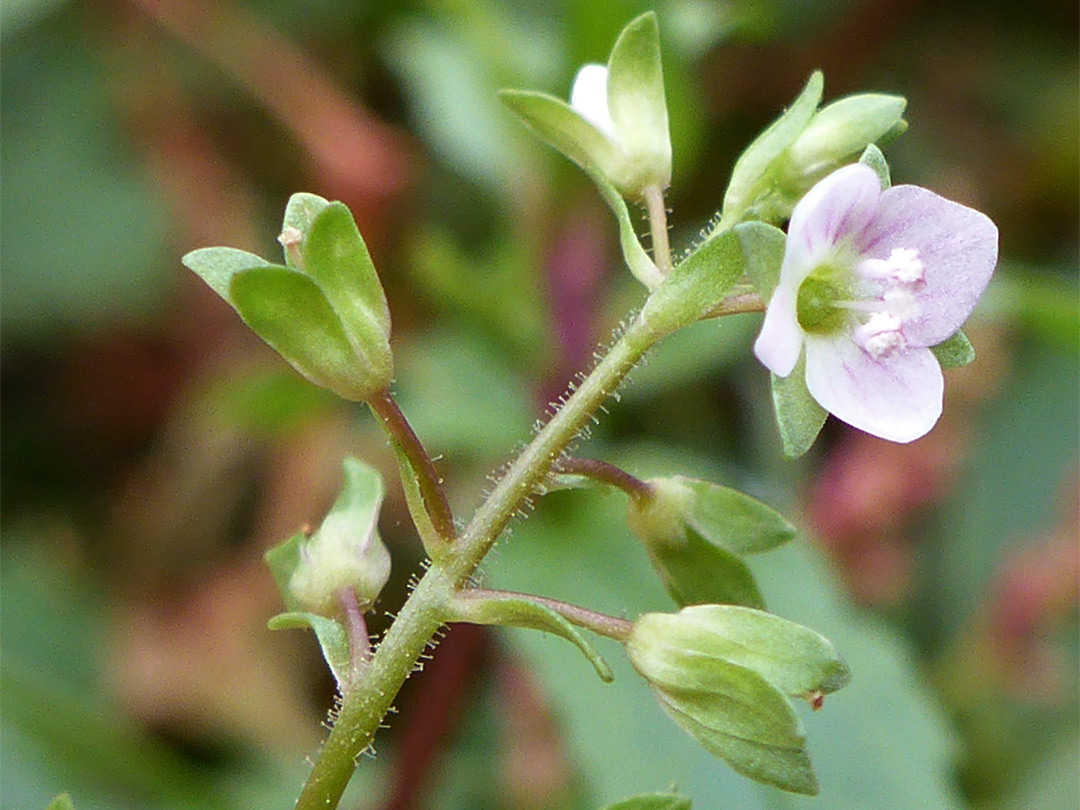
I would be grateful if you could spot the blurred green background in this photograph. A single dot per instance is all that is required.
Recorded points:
(153, 448)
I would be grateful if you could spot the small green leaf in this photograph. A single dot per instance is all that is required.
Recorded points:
(634, 254)
(763, 248)
(793, 658)
(336, 257)
(290, 312)
(798, 415)
(332, 637)
(752, 167)
(61, 802)
(873, 157)
(517, 610)
(653, 801)
(955, 351)
(733, 520)
(282, 560)
(697, 283)
(556, 123)
(216, 266)
(636, 95)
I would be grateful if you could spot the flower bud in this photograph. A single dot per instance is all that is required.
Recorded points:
(616, 124)
(346, 551)
(805, 144)
(722, 672)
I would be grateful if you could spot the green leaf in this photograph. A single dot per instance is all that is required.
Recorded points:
(753, 165)
(217, 265)
(556, 123)
(332, 637)
(516, 610)
(794, 659)
(696, 284)
(873, 157)
(798, 415)
(336, 257)
(634, 254)
(733, 520)
(289, 311)
(763, 249)
(61, 802)
(636, 95)
(955, 351)
(653, 801)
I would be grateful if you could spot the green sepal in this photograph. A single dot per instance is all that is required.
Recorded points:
(798, 415)
(300, 212)
(796, 660)
(336, 257)
(698, 572)
(751, 174)
(696, 284)
(653, 801)
(282, 560)
(695, 533)
(636, 100)
(771, 750)
(763, 251)
(217, 265)
(737, 715)
(637, 260)
(955, 351)
(61, 802)
(288, 310)
(733, 520)
(559, 125)
(839, 131)
(332, 637)
(873, 157)
(516, 610)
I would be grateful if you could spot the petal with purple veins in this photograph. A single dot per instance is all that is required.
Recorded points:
(957, 247)
(897, 397)
(835, 209)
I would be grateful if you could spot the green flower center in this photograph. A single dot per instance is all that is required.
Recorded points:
(816, 303)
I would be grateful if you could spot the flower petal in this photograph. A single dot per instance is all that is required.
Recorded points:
(838, 207)
(781, 339)
(957, 246)
(588, 96)
(896, 397)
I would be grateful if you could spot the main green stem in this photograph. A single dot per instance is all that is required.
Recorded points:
(364, 707)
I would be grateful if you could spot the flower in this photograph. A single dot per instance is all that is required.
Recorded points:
(870, 280)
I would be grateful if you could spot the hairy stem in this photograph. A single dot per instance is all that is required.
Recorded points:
(415, 627)
(603, 472)
(363, 708)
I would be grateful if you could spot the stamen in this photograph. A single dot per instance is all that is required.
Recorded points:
(880, 336)
(902, 267)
